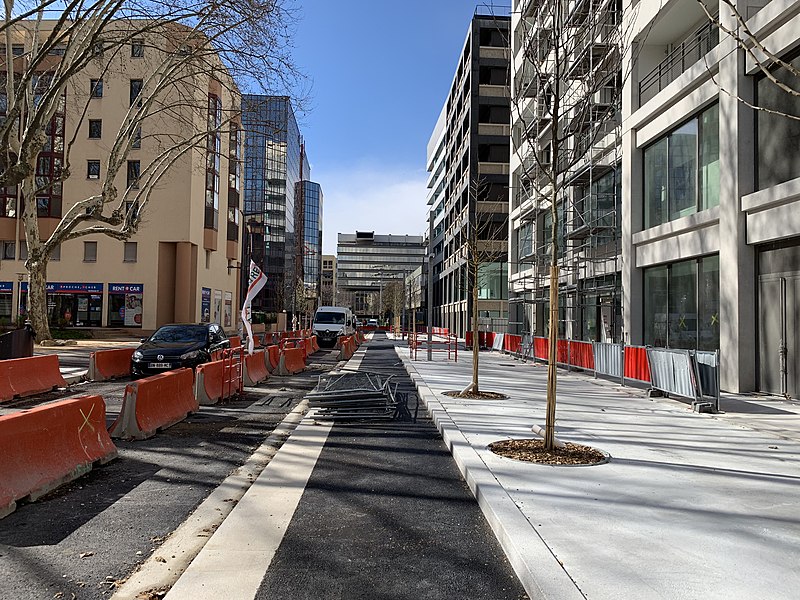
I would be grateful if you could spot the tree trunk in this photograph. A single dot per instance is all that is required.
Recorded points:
(552, 357)
(37, 299)
(475, 346)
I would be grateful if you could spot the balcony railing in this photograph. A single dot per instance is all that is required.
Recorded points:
(688, 52)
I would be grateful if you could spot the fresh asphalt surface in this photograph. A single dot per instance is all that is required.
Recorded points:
(385, 515)
(81, 539)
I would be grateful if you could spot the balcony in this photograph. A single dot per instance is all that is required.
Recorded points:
(684, 55)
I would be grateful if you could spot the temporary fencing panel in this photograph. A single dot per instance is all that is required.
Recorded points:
(636, 366)
(607, 359)
(540, 347)
(707, 364)
(580, 355)
(672, 372)
(497, 342)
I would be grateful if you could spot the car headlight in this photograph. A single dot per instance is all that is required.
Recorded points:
(190, 355)
(138, 355)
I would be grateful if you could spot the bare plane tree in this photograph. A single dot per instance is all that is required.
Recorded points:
(50, 54)
(566, 109)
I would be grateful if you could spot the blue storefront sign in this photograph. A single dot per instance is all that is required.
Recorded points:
(205, 305)
(69, 288)
(6, 286)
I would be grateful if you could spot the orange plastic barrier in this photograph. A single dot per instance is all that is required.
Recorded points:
(273, 357)
(309, 347)
(292, 361)
(236, 341)
(109, 364)
(28, 376)
(49, 445)
(217, 380)
(155, 403)
(255, 368)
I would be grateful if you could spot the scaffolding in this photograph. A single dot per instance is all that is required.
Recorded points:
(587, 62)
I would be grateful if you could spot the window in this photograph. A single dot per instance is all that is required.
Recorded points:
(136, 92)
(89, 251)
(96, 88)
(95, 129)
(134, 171)
(136, 139)
(93, 169)
(130, 252)
(9, 250)
(213, 147)
(23, 250)
(681, 170)
(778, 137)
(137, 49)
(8, 201)
(681, 306)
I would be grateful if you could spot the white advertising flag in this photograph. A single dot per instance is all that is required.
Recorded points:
(257, 282)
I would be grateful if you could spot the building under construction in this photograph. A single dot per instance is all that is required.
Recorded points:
(566, 140)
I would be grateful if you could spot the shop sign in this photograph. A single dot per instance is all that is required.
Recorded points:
(205, 305)
(6, 286)
(125, 288)
(69, 288)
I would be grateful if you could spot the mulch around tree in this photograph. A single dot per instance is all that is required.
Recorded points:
(533, 450)
(477, 395)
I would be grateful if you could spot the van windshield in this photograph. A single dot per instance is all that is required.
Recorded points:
(329, 318)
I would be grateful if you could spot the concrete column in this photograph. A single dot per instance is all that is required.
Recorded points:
(184, 310)
(737, 148)
(632, 211)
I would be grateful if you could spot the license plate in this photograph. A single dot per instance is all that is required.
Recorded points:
(160, 365)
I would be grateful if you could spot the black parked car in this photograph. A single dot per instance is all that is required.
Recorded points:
(175, 346)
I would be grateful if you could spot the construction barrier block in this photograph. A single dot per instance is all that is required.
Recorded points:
(47, 446)
(27, 376)
(255, 368)
(155, 403)
(273, 357)
(209, 383)
(291, 362)
(110, 364)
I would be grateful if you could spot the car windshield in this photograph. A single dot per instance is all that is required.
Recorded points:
(178, 334)
(329, 318)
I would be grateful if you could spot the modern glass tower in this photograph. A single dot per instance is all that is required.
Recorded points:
(274, 164)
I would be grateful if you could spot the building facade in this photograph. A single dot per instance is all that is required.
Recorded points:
(468, 156)
(370, 267)
(274, 165)
(711, 216)
(175, 267)
(311, 193)
(328, 295)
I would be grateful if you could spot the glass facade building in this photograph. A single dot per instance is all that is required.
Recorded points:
(312, 239)
(274, 164)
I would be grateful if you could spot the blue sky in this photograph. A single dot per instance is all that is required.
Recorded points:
(380, 72)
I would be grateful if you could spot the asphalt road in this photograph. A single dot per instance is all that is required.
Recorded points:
(82, 538)
(387, 515)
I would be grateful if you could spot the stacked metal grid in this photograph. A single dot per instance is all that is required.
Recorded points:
(354, 396)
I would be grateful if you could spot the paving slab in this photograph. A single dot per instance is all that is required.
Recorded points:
(689, 506)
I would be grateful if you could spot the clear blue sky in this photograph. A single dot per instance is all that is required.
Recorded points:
(380, 73)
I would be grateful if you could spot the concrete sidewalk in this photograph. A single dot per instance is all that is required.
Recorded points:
(689, 506)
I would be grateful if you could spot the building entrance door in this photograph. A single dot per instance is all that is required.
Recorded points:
(779, 342)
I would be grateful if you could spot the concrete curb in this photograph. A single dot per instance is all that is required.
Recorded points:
(170, 560)
(539, 571)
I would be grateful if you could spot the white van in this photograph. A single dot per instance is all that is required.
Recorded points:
(332, 322)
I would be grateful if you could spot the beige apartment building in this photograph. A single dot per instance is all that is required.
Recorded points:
(177, 267)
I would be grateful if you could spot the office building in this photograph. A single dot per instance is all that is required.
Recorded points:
(711, 224)
(175, 267)
(311, 251)
(370, 267)
(274, 165)
(468, 158)
(579, 62)
(328, 296)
